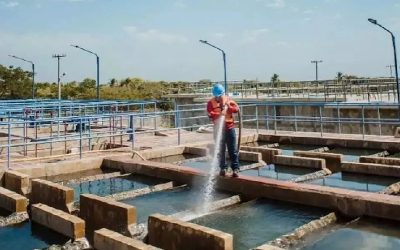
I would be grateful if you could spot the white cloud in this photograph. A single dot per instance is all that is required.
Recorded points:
(273, 3)
(251, 36)
(154, 35)
(9, 4)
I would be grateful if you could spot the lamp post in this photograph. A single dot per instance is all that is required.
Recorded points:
(223, 57)
(373, 21)
(98, 69)
(33, 72)
(316, 74)
(316, 68)
(58, 56)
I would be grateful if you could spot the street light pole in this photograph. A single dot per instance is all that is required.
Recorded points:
(316, 75)
(390, 68)
(58, 56)
(316, 68)
(33, 72)
(223, 58)
(98, 69)
(373, 21)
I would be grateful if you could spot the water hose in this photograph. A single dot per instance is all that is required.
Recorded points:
(240, 131)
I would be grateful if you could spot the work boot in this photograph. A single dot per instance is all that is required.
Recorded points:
(222, 172)
(235, 173)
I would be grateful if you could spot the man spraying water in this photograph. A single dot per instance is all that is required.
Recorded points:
(220, 106)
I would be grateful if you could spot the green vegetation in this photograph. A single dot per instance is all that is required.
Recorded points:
(275, 80)
(17, 84)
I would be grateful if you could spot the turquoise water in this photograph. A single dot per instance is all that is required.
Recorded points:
(353, 154)
(168, 202)
(359, 182)
(288, 149)
(359, 236)
(206, 165)
(278, 172)
(113, 185)
(174, 158)
(28, 236)
(257, 222)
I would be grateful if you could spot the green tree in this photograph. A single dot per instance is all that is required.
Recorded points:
(339, 76)
(15, 83)
(275, 80)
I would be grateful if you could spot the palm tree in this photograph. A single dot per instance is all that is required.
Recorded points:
(275, 80)
(339, 76)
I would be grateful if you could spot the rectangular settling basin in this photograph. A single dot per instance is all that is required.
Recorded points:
(257, 222)
(113, 185)
(369, 183)
(363, 234)
(169, 202)
(353, 154)
(28, 235)
(278, 172)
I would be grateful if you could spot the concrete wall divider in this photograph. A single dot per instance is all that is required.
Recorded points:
(105, 239)
(380, 160)
(16, 181)
(59, 221)
(332, 161)
(298, 161)
(99, 212)
(371, 168)
(52, 194)
(170, 233)
(12, 202)
(267, 154)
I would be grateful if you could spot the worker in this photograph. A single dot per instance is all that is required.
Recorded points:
(219, 105)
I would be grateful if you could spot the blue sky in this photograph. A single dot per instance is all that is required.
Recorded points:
(158, 39)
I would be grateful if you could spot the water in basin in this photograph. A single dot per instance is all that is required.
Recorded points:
(28, 235)
(278, 172)
(359, 182)
(363, 234)
(256, 222)
(353, 154)
(168, 202)
(113, 185)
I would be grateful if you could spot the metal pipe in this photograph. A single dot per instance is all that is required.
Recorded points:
(223, 58)
(373, 21)
(97, 67)
(33, 72)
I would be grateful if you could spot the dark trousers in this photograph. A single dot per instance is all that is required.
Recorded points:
(228, 140)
